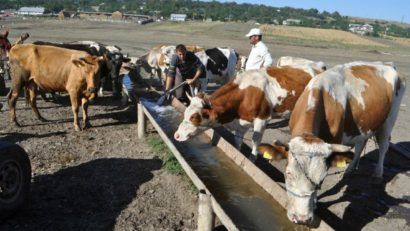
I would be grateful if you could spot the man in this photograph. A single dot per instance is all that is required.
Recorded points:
(185, 66)
(259, 56)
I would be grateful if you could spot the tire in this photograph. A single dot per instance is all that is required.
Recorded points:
(15, 177)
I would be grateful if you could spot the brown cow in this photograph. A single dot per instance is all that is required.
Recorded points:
(54, 69)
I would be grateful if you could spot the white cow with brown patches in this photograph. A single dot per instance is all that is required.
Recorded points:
(251, 99)
(344, 105)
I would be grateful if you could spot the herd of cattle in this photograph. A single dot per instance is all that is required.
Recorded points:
(330, 109)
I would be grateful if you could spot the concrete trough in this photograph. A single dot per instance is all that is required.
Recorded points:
(261, 178)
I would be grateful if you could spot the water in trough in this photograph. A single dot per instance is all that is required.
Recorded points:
(248, 205)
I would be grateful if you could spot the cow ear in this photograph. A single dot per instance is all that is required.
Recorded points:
(200, 95)
(339, 148)
(100, 58)
(274, 152)
(79, 62)
(340, 159)
(126, 60)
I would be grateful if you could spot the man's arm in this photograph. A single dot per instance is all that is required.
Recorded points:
(267, 59)
(199, 69)
(172, 71)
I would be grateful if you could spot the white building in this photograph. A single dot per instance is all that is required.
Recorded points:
(31, 11)
(361, 29)
(291, 21)
(178, 17)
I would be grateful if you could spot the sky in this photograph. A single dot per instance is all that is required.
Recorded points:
(397, 10)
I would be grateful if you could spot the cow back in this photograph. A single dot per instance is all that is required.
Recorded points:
(49, 67)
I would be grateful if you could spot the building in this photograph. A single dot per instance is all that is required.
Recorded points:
(362, 29)
(178, 17)
(30, 11)
(291, 21)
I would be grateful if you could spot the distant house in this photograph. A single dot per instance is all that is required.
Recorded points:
(362, 29)
(291, 21)
(30, 11)
(178, 17)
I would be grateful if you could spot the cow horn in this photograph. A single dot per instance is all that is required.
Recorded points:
(187, 95)
(339, 148)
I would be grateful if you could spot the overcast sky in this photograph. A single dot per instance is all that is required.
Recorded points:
(397, 10)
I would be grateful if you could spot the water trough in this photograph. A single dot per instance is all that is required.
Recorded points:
(231, 187)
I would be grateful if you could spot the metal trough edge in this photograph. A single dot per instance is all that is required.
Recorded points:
(217, 209)
(269, 185)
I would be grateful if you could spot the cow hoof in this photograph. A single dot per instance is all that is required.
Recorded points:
(16, 124)
(77, 128)
(87, 126)
(42, 119)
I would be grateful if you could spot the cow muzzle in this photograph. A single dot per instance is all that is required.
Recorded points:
(92, 90)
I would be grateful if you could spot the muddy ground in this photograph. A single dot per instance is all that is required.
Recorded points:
(105, 178)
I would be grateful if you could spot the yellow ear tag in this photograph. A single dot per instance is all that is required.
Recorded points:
(341, 163)
(268, 156)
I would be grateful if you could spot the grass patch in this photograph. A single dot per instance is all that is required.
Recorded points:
(170, 163)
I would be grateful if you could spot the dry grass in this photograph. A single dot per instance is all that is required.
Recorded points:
(319, 35)
(402, 41)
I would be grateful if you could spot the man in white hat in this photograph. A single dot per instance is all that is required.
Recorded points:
(259, 56)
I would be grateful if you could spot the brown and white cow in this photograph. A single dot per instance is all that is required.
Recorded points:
(251, 99)
(312, 67)
(345, 105)
(54, 69)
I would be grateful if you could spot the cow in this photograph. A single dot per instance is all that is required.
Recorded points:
(54, 69)
(156, 61)
(313, 67)
(111, 66)
(340, 108)
(220, 64)
(252, 98)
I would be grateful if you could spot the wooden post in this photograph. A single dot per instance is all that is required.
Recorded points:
(142, 121)
(206, 216)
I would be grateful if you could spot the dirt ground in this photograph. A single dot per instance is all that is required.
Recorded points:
(106, 178)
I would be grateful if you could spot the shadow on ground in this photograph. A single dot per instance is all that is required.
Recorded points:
(367, 200)
(89, 196)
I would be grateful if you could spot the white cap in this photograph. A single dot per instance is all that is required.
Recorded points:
(254, 31)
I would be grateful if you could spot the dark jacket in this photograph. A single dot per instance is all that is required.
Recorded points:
(187, 68)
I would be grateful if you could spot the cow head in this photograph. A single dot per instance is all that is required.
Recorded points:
(90, 68)
(308, 161)
(167, 51)
(114, 62)
(5, 44)
(197, 118)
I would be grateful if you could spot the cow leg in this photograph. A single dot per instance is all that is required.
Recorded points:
(354, 165)
(32, 90)
(74, 107)
(259, 126)
(12, 100)
(240, 127)
(86, 120)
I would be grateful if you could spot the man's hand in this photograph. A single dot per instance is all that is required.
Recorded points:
(167, 95)
(190, 81)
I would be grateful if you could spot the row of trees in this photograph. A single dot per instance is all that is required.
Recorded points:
(198, 10)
